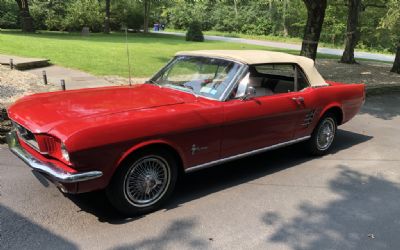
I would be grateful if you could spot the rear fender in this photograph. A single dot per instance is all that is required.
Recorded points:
(326, 109)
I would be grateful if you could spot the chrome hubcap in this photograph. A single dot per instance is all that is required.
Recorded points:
(147, 181)
(326, 134)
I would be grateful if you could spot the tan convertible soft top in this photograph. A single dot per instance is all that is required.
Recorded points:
(251, 57)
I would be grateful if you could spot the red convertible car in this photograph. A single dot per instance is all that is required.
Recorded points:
(202, 109)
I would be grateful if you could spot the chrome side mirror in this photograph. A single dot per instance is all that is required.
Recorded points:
(250, 93)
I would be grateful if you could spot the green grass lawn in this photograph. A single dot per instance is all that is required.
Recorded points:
(102, 54)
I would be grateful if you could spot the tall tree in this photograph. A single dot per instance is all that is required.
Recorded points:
(315, 19)
(392, 21)
(107, 17)
(285, 7)
(146, 5)
(235, 5)
(352, 34)
(26, 19)
(396, 63)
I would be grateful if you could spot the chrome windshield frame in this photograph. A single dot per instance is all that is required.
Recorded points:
(225, 94)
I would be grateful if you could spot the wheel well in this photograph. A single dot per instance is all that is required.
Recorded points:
(155, 147)
(337, 112)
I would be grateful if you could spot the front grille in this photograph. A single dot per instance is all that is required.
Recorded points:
(27, 136)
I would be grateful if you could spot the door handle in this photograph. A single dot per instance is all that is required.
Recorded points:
(299, 100)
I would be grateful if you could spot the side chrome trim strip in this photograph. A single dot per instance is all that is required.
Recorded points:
(235, 157)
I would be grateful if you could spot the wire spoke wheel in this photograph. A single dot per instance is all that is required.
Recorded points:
(326, 134)
(147, 180)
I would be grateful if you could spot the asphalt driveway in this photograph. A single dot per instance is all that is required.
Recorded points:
(282, 199)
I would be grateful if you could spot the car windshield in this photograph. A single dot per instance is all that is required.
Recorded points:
(207, 77)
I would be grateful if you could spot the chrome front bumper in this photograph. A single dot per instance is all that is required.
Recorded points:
(48, 168)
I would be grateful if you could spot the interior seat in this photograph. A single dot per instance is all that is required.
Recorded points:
(261, 89)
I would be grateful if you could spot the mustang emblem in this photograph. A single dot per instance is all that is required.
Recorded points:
(196, 149)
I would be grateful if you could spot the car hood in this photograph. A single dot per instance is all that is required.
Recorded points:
(41, 112)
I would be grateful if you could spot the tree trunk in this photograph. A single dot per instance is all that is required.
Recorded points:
(285, 7)
(26, 19)
(315, 19)
(107, 18)
(146, 16)
(235, 6)
(396, 64)
(352, 33)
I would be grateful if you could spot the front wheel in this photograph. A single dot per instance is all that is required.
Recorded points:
(143, 183)
(323, 135)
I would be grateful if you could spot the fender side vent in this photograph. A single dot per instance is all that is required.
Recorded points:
(309, 118)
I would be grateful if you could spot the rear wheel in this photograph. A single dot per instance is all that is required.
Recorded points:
(323, 135)
(143, 182)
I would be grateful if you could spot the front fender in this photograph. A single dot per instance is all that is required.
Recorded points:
(153, 142)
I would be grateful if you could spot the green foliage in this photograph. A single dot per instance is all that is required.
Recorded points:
(287, 18)
(296, 18)
(223, 19)
(81, 13)
(126, 13)
(183, 13)
(334, 27)
(194, 32)
(252, 23)
(378, 25)
(48, 14)
(72, 15)
(246, 21)
(69, 15)
(392, 18)
(249, 17)
(9, 14)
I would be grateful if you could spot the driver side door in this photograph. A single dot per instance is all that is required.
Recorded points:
(257, 123)
(264, 120)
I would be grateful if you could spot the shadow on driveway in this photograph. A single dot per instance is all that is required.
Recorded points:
(175, 232)
(196, 185)
(18, 232)
(384, 107)
(365, 216)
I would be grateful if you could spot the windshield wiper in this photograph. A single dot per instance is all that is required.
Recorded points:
(190, 88)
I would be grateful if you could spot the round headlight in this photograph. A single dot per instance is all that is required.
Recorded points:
(64, 152)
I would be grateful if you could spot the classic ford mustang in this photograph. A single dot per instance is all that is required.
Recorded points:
(202, 109)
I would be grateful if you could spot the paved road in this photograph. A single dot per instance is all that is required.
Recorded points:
(283, 199)
(338, 52)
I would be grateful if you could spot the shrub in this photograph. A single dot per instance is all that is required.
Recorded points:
(194, 32)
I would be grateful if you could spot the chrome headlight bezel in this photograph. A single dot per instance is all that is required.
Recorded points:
(64, 152)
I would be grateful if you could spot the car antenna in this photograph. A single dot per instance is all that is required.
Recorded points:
(127, 54)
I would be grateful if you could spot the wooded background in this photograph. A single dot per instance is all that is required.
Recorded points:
(372, 25)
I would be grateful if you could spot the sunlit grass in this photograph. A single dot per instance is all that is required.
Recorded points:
(102, 54)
